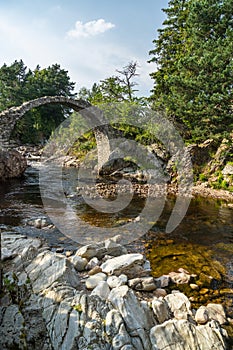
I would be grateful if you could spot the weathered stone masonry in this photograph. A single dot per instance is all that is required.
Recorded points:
(9, 118)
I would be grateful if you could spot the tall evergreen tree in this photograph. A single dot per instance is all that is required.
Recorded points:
(194, 78)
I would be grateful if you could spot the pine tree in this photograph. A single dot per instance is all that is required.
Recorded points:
(194, 78)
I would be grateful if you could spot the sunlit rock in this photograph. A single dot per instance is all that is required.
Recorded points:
(128, 264)
(94, 280)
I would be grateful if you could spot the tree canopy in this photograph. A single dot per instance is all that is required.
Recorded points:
(116, 88)
(19, 84)
(193, 52)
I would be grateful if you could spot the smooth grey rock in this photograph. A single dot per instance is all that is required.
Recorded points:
(114, 281)
(216, 312)
(178, 301)
(138, 321)
(146, 284)
(88, 251)
(159, 292)
(102, 290)
(78, 262)
(182, 335)
(162, 281)
(19, 245)
(11, 327)
(49, 267)
(147, 266)
(161, 310)
(94, 280)
(92, 263)
(201, 316)
(100, 249)
(128, 264)
(114, 248)
(95, 270)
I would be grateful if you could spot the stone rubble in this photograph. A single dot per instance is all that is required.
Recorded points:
(53, 303)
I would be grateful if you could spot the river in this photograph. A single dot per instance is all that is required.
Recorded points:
(205, 235)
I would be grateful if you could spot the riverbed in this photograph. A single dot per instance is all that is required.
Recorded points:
(202, 239)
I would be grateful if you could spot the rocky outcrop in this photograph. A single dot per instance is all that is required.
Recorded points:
(50, 304)
(12, 164)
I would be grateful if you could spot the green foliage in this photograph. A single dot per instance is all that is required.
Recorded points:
(194, 57)
(117, 88)
(222, 183)
(19, 84)
(203, 177)
(78, 308)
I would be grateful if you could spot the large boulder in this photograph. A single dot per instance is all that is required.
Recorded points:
(12, 164)
(183, 335)
(128, 264)
(138, 320)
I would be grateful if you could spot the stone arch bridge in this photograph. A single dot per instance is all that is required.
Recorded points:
(9, 118)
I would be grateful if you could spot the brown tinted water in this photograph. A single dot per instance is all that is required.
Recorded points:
(202, 243)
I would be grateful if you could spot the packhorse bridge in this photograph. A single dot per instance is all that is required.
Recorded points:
(9, 118)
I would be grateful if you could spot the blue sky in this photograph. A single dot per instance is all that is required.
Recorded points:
(89, 38)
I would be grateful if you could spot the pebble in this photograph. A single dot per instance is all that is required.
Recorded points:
(194, 286)
(92, 263)
(95, 270)
(78, 262)
(204, 291)
(114, 281)
(162, 281)
(69, 253)
(94, 280)
(59, 250)
(159, 292)
(202, 316)
(179, 277)
(226, 291)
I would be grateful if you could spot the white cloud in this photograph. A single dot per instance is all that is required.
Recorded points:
(91, 28)
(87, 61)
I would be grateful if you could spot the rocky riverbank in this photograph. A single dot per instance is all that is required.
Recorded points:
(211, 163)
(101, 297)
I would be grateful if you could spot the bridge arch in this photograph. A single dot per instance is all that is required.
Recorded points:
(9, 118)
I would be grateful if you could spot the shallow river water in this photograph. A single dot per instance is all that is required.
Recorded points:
(202, 243)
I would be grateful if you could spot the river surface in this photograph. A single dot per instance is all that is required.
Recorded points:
(207, 226)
